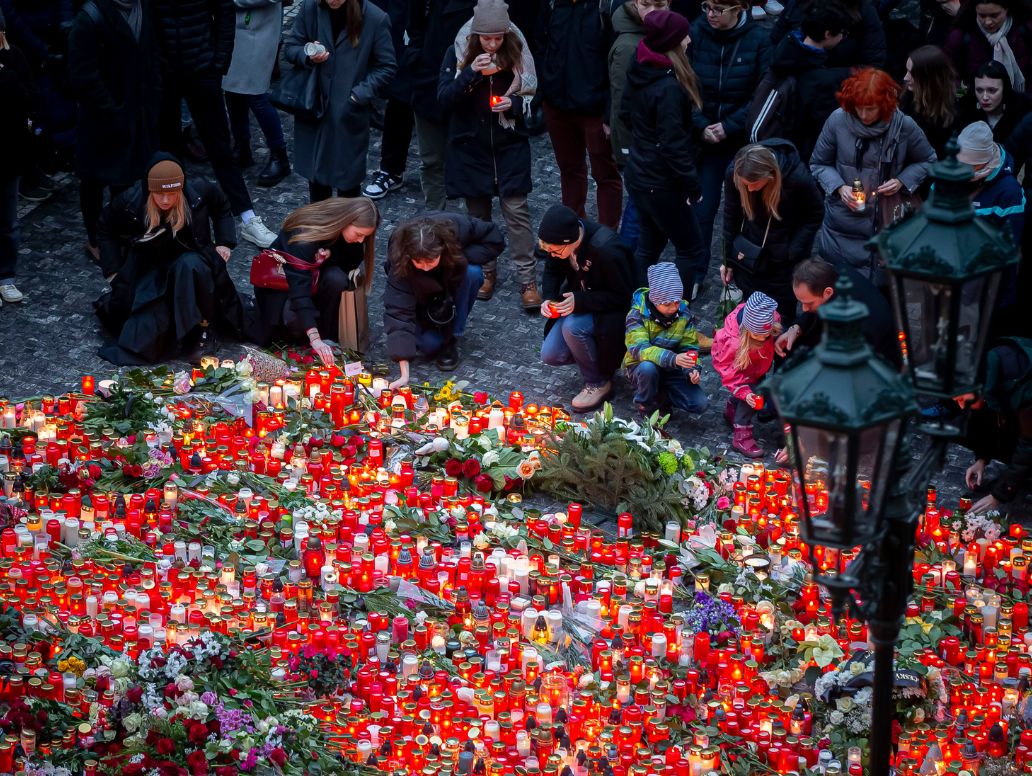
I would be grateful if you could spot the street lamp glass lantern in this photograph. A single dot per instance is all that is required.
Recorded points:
(843, 409)
(946, 267)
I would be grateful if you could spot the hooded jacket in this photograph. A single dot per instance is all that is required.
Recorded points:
(659, 113)
(647, 340)
(725, 345)
(729, 65)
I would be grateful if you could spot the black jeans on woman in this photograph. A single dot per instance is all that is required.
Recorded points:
(276, 319)
(663, 216)
(317, 192)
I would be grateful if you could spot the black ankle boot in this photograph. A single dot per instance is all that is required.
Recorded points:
(206, 344)
(448, 357)
(276, 168)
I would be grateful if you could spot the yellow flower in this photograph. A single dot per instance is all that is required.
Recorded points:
(526, 468)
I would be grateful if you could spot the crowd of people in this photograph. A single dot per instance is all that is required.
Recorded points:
(800, 138)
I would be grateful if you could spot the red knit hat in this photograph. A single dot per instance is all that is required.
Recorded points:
(664, 31)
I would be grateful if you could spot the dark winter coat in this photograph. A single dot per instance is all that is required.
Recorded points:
(573, 45)
(196, 36)
(628, 31)
(729, 65)
(117, 80)
(864, 45)
(789, 240)
(400, 87)
(659, 113)
(935, 24)
(140, 289)
(20, 100)
(969, 49)
(406, 297)
(332, 151)
(433, 25)
(937, 134)
(1019, 148)
(1016, 107)
(837, 161)
(1003, 428)
(603, 285)
(483, 158)
(816, 85)
(37, 27)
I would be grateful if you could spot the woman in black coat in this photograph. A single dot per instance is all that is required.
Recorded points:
(772, 211)
(337, 236)
(433, 274)
(115, 71)
(169, 285)
(487, 86)
(995, 102)
(730, 54)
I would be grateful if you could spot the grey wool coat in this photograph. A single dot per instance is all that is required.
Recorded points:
(332, 151)
(254, 48)
(847, 150)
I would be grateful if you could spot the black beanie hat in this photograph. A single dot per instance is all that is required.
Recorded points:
(664, 31)
(560, 225)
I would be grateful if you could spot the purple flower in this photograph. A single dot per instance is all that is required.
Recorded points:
(209, 698)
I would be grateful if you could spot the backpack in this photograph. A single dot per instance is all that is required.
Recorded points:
(773, 109)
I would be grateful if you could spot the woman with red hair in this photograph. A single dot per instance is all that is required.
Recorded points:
(868, 158)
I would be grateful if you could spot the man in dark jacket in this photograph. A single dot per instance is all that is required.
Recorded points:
(813, 282)
(115, 73)
(587, 283)
(573, 40)
(1000, 426)
(196, 42)
(433, 25)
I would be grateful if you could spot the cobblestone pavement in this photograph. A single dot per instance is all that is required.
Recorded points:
(51, 339)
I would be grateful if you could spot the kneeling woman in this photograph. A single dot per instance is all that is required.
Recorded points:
(434, 270)
(337, 236)
(169, 284)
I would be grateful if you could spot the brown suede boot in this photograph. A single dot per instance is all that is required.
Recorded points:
(487, 288)
(529, 297)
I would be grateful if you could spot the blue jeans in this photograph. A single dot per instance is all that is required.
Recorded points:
(649, 379)
(9, 228)
(237, 105)
(572, 341)
(430, 341)
(629, 228)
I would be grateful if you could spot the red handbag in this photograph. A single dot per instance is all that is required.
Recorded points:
(267, 269)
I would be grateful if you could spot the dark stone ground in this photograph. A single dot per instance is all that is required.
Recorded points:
(51, 339)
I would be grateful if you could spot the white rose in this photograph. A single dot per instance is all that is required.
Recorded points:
(836, 718)
(844, 704)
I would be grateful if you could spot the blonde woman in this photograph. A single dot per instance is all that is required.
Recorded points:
(772, 211)
(338, 234)
(164, 245)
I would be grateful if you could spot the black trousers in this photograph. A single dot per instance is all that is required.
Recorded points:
(277, 320)
(203, 95)
(664, 216)
(317, 192)
(91, 203)
(398, 123)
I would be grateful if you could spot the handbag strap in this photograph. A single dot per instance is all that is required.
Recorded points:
(766, 231)
(282, 257)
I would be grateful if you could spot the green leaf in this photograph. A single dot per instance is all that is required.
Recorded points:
(256, 545)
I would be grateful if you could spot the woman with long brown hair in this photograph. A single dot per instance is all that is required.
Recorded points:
(433, 273)
(338, 235)
(930, 98)
(661, 96)
(772, 211)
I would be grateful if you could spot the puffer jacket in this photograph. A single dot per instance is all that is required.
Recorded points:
(840, 157)
(628, 31)
(659, 113)
(725, 345)
(729, 65)
(573, 42)
(646, 340)
(864, 45)
(195, 36)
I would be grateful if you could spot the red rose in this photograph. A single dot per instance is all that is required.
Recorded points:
(278, 756)
(338, 440)
(198, 763)
(483, 483)
(226, 770)
(134, 694)
(480, 397)
(198, 733)
(165, 746)
(471, 468)
(94, 470)
(171, 691)
(453, 467)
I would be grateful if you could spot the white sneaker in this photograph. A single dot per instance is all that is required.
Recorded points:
(773, 7)
(758, 12)
(10, 293)
(257, 232)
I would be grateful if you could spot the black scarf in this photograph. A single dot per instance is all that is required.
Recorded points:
(132, 11)
(665, 321)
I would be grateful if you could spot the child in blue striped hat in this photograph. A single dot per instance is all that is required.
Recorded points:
(743, 353)
(663, 346)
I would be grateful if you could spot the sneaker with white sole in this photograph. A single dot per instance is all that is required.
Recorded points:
(758, 12)
(773, 7)
(10, 293)
(591, 396)
(381, 185)
(257, 232)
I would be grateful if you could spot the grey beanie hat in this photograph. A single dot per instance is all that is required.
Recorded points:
(978, 148)
(490, 17)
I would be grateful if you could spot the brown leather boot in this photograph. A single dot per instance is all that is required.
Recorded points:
(529, 297)
(487, 288)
